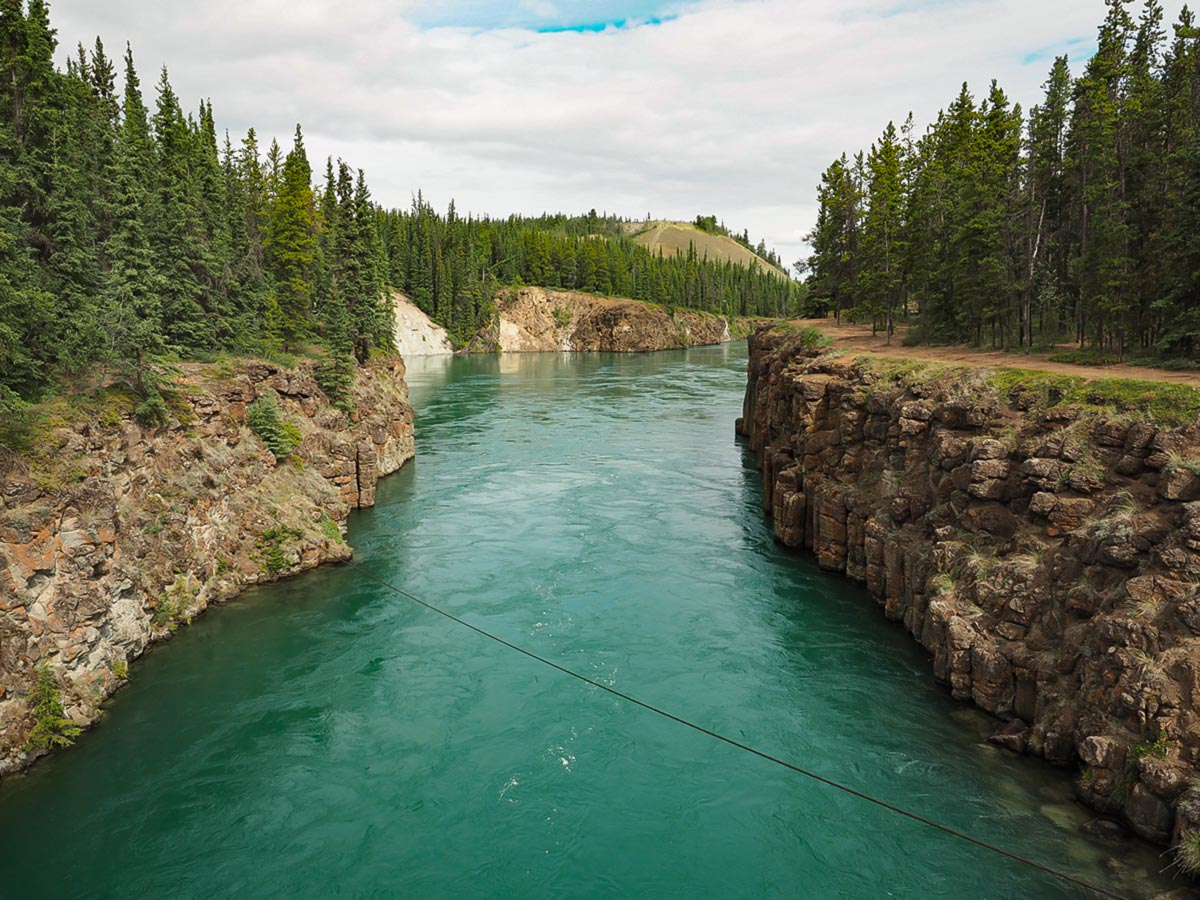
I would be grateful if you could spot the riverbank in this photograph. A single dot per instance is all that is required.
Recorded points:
(1039, 540)
(114, 534)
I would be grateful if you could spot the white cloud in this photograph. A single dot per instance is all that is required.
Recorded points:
(543, 9)
(731, 107)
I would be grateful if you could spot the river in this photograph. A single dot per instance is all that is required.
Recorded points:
(327, 737)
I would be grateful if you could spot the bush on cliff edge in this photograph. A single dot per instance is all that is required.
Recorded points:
(267, 421)
(52, 728)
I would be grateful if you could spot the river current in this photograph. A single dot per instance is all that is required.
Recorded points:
(327, 738)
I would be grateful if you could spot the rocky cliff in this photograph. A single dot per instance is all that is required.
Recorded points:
(535, 319)
(1039, 536)
(112, 534)
(416, 334)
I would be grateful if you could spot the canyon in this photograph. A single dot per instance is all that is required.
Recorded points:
(1040, 541)
(113, 533)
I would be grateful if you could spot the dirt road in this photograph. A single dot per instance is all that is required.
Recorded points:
(857, 339)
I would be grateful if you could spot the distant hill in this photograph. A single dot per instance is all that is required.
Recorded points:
(674, 238)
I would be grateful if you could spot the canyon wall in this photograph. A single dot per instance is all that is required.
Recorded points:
(537, 319)
(113, 534)
(1041, 542)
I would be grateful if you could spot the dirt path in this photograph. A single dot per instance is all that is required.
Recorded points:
(858, 341)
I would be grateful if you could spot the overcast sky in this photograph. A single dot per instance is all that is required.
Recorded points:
(731, 107)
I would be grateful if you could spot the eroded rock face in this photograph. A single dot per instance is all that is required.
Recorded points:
(162, 522)
(534, 319)
(416, 334)
(1049, 562)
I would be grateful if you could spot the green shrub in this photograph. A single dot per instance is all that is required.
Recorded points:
(174, 604)
(562, 316)
(941, 584)
(330, 529)
(1086, 357)
(1179, 365)
(917, 336)
(270, 547)
(152, 411)
(266, 420)
(16, 430)
(1158, 749)
(52, 728)
(165, 611)
(808, 337)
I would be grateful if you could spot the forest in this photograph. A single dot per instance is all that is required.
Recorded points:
(452, 266)
(132, 234)
(1079, 222)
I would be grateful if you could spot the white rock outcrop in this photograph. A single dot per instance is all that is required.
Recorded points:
(416, 333)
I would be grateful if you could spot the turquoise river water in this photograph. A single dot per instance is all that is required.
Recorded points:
(327, 738)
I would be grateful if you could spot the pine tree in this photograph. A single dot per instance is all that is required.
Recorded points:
(1047, 240)
(175, 232)
(131, 295)
(290, 244)
(883, 230)
(1104, 268)
(834, 264)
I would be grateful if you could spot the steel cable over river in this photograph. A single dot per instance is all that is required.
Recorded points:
(327, 737)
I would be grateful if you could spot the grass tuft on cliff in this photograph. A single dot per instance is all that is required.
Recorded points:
(1162, 403)
(1170, 405)
(1167, 404)
(1187, 854)
(808, 337)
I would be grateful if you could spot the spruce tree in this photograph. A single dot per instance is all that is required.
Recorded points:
(290, 244)
(883, 231)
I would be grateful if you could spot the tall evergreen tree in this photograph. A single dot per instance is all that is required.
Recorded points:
(290, 244)
(882, 247)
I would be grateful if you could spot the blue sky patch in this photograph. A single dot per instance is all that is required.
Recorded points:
(1078, 49)
(602, 26)
(545, 16)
